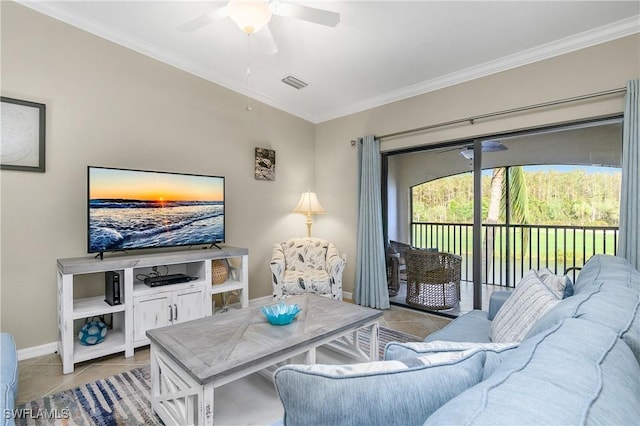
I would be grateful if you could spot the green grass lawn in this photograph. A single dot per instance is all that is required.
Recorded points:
(567, 246)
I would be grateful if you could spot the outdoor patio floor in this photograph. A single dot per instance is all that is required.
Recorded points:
(466, 298)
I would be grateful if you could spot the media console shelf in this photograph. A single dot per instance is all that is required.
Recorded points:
(142, 307)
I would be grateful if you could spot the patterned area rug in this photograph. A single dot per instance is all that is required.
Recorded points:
(124, 399)
(386, 335)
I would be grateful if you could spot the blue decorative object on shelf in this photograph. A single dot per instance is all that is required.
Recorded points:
(92, 333)
(280, 314)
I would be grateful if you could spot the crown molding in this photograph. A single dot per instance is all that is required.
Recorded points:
(569, 44)
(57, 11)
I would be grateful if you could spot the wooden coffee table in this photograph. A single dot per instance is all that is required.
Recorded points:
(190, 360)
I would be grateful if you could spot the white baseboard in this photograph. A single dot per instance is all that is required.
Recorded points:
(261, 301)
(51, 348)
(46, 349)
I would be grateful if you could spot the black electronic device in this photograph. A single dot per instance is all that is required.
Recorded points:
(112, 288)
(168, 279)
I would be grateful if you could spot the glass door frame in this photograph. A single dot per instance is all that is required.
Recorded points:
(477, 184)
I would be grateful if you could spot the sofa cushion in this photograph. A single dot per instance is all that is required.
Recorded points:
(298, 282)
(612, 287)
(576, 372)
(470, 327)
(530, 300)
(611, 305)
(609, 269)
(399, 392)
(567, 308)
(493, 351)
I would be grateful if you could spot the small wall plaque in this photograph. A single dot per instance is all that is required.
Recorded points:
(265, 164)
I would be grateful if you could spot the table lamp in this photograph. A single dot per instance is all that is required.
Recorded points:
(309, 205)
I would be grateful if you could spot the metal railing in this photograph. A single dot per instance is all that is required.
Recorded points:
(517, 248)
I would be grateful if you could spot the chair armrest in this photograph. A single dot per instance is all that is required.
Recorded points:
(496, 301)
(277, 266)
(393, 272)
(335, 267)
(8, 376)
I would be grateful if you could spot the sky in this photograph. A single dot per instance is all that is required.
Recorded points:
(157, 186)
(563, 169)
(568, 168)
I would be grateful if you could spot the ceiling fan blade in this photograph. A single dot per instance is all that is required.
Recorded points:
(305, 13)
(204, 20)
(264, 41)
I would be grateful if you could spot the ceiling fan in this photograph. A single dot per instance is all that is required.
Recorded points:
(252, 16)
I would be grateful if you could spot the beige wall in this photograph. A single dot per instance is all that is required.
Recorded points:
(110, 106)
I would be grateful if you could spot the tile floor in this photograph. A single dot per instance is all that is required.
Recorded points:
(42, 375)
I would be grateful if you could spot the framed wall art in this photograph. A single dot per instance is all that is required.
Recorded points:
(265, 165)
(22, 140)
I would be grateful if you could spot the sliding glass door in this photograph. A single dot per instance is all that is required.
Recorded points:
(539, 199)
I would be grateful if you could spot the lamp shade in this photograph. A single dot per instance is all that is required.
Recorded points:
(249, 15)
(309, 204)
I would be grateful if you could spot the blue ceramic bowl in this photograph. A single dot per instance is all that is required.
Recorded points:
(280, 314)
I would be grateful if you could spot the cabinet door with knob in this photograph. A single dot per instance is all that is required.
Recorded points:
(166, 308)
(187, 305)
(151, 311)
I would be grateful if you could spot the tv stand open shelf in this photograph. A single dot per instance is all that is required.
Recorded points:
(142, 307)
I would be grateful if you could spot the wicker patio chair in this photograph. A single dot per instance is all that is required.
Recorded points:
(433, 279)
(395, 265)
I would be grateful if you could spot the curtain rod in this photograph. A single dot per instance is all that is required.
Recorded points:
(472, 120)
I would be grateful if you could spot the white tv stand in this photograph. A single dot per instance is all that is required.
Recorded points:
(142, 307)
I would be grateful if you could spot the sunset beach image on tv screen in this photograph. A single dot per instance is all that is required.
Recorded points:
(130, 209)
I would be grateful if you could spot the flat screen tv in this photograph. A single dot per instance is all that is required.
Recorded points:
(137, 209)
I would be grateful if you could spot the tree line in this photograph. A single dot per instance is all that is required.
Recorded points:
(554, 198)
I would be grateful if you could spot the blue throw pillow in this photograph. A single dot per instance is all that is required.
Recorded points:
(400, 392)
(560, 285)
(494, 352)
(568, 289)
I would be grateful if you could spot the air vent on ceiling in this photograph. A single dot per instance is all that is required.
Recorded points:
(296, 83)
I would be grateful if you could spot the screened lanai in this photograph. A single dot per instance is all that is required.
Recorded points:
(567, 171)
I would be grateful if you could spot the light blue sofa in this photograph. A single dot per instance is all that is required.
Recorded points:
(8, 377)
(578, 364)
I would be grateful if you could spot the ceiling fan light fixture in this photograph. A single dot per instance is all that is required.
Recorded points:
(249, 15)
(487, 146)
(493, 146)
(467, 153)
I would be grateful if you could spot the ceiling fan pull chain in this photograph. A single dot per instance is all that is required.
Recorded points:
(248, 72)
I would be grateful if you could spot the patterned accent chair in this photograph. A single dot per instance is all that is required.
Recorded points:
(306, 265)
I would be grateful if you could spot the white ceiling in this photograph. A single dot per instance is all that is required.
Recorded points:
(380, 52)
